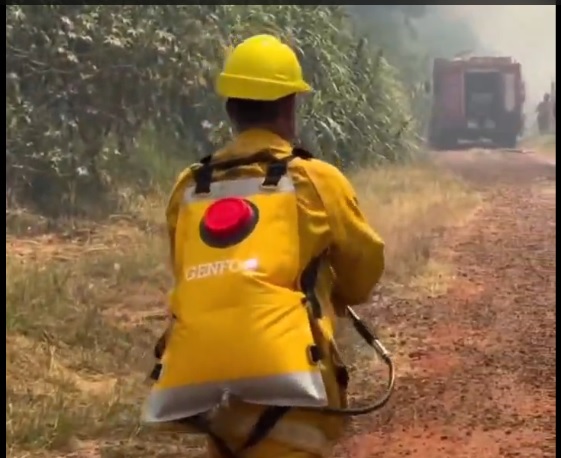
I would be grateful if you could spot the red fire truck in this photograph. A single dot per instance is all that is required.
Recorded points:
(475, 99)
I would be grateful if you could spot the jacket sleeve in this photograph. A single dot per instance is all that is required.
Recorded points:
(356, 251)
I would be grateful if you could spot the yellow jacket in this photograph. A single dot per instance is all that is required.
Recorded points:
(329, 219)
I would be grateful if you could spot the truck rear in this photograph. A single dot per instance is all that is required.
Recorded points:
(474, 99)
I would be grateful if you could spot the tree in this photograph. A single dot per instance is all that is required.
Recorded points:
(86, 82)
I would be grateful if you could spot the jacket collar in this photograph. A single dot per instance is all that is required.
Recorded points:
(252, 141)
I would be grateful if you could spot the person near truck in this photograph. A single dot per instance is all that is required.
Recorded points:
(253, 279)
(544, 111)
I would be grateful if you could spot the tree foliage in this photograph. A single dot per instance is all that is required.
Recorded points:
(84, 83)
(411, 36)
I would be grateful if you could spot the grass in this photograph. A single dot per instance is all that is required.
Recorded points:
(410, 208)
(544, 145)
(82, 314)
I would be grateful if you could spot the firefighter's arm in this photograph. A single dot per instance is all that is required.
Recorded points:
(357, 251)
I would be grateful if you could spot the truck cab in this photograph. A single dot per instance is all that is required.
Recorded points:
(475, 99)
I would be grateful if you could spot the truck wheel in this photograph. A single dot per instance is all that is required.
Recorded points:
(432, 139)
(445, 142)
(507, 141)
(434, 144)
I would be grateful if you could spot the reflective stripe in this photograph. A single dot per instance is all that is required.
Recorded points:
(298, 389)
(240, 188)
(297, 434)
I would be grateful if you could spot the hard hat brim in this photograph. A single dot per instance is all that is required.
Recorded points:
(240, 87)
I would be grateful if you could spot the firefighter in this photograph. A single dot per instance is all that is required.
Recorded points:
(304, 214)
(544, 111)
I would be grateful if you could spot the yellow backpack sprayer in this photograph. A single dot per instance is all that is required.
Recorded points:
(241, 328)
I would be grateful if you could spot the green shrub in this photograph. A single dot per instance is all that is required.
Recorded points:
(86, 83)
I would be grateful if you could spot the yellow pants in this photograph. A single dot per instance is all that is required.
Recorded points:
(297, 434)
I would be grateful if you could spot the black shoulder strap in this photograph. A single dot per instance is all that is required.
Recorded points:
(279, 167)
(203, 178)
(275, 171)
(302, 153)
(297, 151)
(308, 281)
(276, 168)
(206, 160)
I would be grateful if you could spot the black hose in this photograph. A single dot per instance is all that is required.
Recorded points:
(372, 340)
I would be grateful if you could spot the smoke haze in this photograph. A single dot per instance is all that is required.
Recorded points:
(525, 32)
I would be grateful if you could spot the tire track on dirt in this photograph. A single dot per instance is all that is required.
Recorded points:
(481, 382)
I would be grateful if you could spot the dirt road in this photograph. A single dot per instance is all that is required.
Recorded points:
(479, 380)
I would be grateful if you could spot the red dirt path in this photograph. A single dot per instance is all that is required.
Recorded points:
(481, 382)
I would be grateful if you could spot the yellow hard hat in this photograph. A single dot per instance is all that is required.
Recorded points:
(261, 68)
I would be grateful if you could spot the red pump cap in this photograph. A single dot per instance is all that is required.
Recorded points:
(227, 216)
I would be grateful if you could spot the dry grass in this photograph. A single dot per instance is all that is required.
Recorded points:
(82, 315)
(544, 145)
(410, 208)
